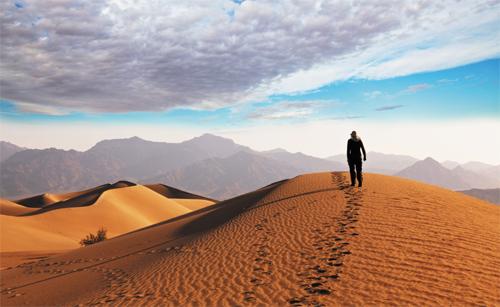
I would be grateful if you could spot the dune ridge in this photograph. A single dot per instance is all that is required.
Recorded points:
(13, 209)
(310, 240)
(36, 224)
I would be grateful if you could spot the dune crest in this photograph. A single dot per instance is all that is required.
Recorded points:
(120, 208)
(310, 240)
(11, 208)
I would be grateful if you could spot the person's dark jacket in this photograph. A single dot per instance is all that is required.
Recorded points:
(354, 148)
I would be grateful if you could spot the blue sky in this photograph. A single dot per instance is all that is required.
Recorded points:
(469, 91)
(293, 74)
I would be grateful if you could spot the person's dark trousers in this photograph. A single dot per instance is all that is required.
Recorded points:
(356, 170)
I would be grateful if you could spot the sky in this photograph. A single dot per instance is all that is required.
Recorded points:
(412, 77)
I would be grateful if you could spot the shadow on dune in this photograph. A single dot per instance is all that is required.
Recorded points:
(226, 210)
(82, 200)
(171, 192)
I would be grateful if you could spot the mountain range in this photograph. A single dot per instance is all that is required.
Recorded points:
(458, 178)
(209, 165)
(8, 149)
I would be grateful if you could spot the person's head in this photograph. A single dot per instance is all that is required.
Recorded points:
(354, 134)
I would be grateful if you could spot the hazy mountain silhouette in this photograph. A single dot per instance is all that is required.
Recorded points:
(36, 171)
(32, 171)
(304, 162)
(8, 149)
(450, 164)
(476, 166)
(380, 163)
(214, 146)
(476, 180)
(135, 158)
(431, 171)
(222, 178)
(491, 195)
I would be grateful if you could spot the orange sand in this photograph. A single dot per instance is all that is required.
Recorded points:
(307, 241)
(10, 259)
(61, 225)
(13, 209)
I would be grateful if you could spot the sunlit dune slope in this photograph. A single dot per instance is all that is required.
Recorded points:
(310, 240)
(61, 225)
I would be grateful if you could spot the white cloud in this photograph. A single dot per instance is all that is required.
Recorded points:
(124, 55)
(412, 89)
(373, 94)
(41, 109)
(301, 109)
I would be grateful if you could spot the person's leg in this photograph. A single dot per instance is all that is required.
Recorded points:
(353, 173)
(359, 172)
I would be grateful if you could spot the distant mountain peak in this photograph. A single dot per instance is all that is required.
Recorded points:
(8, 149)
(430, 160)
(209, 137)
(275, 150)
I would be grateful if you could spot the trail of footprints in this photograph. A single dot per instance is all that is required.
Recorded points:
(317, 279)
(263, 265)
(331, 245)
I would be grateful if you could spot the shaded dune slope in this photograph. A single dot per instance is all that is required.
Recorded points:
(186, 199)
(172, 192)
(120, 208)
(46, 202)
(310, 240)
(11, 208)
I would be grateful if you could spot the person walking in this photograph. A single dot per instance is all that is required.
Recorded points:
(354, 146)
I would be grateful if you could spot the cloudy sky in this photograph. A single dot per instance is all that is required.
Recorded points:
(413, 77)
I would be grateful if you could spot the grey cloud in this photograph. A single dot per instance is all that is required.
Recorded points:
(98, 56)
(388, 108)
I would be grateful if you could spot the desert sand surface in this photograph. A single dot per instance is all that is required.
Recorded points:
(10, 259)
(40, 225)
(43, 200)
(172, 192)
(13, 209)
(186, 199)
(311, 240)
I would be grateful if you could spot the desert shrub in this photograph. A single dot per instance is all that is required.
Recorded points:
(94, 238)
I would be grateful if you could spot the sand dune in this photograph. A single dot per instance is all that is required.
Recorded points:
(120, 208)
(172, 192)
(310, 240)
(47, 199)
(10, 208)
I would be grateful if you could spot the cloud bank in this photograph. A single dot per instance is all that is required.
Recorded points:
(124, 55)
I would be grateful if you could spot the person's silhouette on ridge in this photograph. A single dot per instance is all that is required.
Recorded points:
(354, 145)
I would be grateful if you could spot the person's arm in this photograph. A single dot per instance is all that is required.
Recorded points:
(348, 149)
(363, 149)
